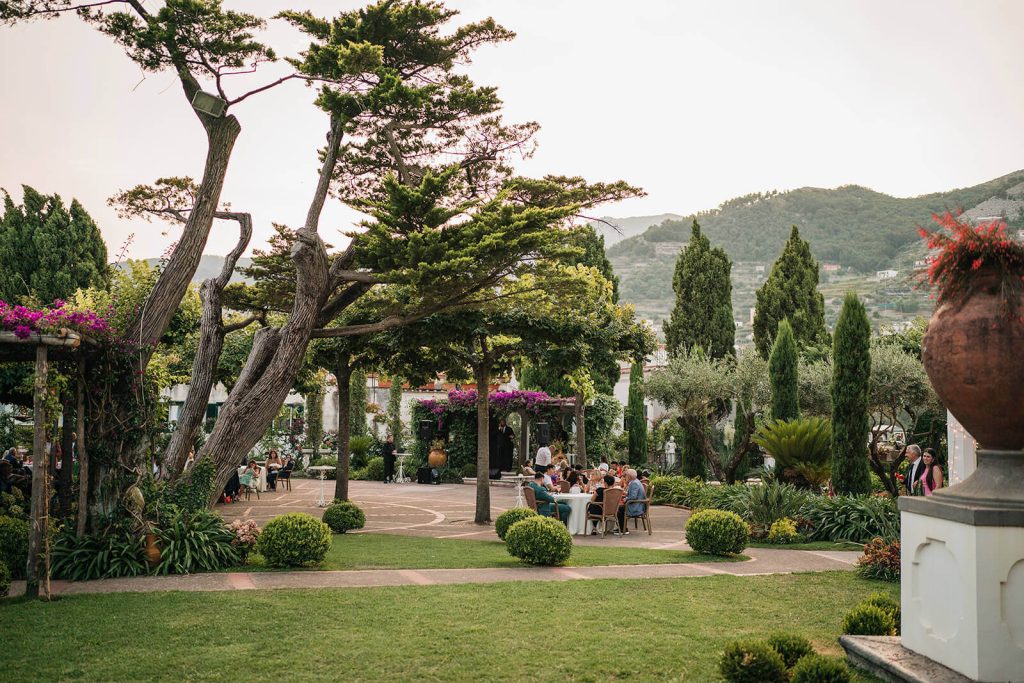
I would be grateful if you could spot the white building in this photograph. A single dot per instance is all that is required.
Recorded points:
(886, 274)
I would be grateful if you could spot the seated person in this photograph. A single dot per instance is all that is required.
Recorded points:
(528, 468)
(546, 502)
(251, 476)
(604, 464)
(289, 466)
(596, 504)
(232, 488)
(634, 492)
(274, 465)
(549, 481)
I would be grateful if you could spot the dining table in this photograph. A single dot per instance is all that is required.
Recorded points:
(577, 503)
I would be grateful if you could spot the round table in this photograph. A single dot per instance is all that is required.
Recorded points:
(322, 471)
(578, 513)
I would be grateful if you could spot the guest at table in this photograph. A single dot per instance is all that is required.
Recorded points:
(543, 455)
(546, 503)
(274, 464)
(596, 504)
(388, 452)
(549, 481)
(528, 468)
(560, 462)
(604, 464)
(634, 492)
(250, 476)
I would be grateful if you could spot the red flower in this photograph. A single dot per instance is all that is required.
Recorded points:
(976, 264)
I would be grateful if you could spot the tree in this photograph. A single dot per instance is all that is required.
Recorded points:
(790, 292)
(851, 355)
(47, 250)
(782, 368)
(636, 420)
(394, 411)
(702, 315)
(357, 403)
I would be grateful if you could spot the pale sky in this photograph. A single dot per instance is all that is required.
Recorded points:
(696, 102)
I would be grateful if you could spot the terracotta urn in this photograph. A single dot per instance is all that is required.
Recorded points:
(437, 458)
(974, 355)
(152, 550)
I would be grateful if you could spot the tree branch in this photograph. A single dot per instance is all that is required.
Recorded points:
(241, 324)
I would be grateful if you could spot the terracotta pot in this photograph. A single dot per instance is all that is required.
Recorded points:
(437, 459)
(152, 551)
(974, 356)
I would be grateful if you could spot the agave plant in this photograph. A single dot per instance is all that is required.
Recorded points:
(802, 444)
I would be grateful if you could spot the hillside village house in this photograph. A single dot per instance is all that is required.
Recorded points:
(886, 274)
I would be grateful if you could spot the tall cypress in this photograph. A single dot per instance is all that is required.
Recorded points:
(636, 422)
(357, 404)
(791, 292)
(395, 411)
(851, 373)
(782, 369)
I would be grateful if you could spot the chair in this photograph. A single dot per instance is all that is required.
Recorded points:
(531, 502)
(284, 479)
(644, 516)
(609, 510)
(564, 486)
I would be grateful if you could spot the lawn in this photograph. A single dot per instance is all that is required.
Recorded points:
(809, 545)
(662, 629)
(390, 551)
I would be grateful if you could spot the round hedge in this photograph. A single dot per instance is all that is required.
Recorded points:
(818, 669)
(509, 517)
(790, 647)
(342, 515)
(294, 540)
(869, 620)
(783, 531)
(14, 545)
(5, 580)
(747, 661)
(375, 469)
(888, 604)
(539, 540)
(717, 532)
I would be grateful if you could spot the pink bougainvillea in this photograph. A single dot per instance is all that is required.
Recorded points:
(23, 321)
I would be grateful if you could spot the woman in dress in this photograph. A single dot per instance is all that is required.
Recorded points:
(931, 478)
(250, 476)
(274, 465)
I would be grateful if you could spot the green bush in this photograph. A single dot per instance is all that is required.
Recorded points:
(14, 545)
(358, 447)
(509, 517)
(881, 560)
(759, 506)
(189, 493)
(13, 504)
(375, 469)
(803, 445)
(294, 540)
(539, 540)
(818, 669)
(852, 518)
(783, 531)
(343, 515)
(196, 542)
(84, 558)
(5, 580)
(331, 461)
(468, 470)
(717, 532)
(790, 647)
(869, 620)
(752, 662)
(887, 604)
(451, 475)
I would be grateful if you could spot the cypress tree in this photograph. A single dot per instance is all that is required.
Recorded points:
(357, 404)
(782, 369)
(395, 411)
(692, 457)
(703, 310)
(791, 292)
(636, 422)
(851, 373)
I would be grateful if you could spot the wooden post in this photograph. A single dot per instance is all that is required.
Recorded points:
(37, 568)
(83, 459)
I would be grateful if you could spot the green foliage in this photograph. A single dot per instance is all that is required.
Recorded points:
(5, 580)
(869, 620)
(636, 421)
(702, 315)
(394, 412)
(329, 461)
(539, 540)
(190, 493)
(790, 292)
(881, 560)
(357, 404)
(748, 661)
(375, 469)
(759, 506)
(851, 357)
(600, 419)
(14, 545)
(109, 555)
(802, 445)
(461, 446)
(468, 470)
(294, 540)
(819, 669)
(782, 368)
(195, 542)
(717, 532)
(358, 447)
(691, 457)
(790, 647)
(13, 504)
(888, 604)
(851, 518)
(315, 416)
(343, 515)
(509, 517)
(783, 531)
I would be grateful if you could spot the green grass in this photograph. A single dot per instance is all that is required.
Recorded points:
(664, 629)
(391, 551)
(810, 545)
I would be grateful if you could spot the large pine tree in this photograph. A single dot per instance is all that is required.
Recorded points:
(791, 292)
(703, 311)
(851, 374)
(636, 422)
(782, 368)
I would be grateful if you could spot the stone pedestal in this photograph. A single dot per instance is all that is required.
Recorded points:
(963, 572)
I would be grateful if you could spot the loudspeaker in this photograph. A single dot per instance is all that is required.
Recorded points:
(423, 475)
(426, 430)
(543, 434)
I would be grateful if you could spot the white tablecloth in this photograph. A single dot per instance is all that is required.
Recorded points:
(578, 515)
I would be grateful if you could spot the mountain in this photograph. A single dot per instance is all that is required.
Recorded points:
(210, 266)
(615, 230)
(861, 230)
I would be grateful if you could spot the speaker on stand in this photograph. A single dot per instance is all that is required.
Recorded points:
(543, 433)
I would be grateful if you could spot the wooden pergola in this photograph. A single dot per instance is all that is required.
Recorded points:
(63, 345)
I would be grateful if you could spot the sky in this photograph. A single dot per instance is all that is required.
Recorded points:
(696, 102)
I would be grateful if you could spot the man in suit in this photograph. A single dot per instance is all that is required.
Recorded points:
(546, 502)
(915, 468)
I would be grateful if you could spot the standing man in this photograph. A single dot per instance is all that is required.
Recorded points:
(506, 446)
(915, 468)
(543, 456)
(388, 451)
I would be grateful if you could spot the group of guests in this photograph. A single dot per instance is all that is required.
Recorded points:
(16, 473)
(278, 469)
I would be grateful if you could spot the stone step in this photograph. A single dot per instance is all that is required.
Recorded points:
(886, 658)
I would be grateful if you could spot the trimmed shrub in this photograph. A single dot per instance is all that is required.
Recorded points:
(468, 470)
(717, 532)
(14, 545)
(375, 469)
(539, 540)
(869, 620)
(5, 580)
(342, 515)
(748, 661)
(509, 517)
(197, 542)
(881, 560)
(818, 669)
(294, 540)
(790, 647)
(887, 604)
(783, 531)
